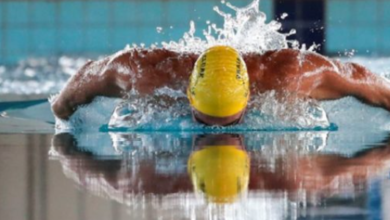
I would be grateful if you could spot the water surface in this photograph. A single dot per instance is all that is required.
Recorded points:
(256, 175)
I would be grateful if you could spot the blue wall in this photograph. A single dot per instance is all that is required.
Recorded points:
(37, 28)
(363, 25)
(65, 27)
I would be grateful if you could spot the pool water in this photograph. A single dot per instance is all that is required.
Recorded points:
(289, 175)
(51, 172)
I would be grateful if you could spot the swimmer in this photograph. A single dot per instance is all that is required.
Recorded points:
(219, 81)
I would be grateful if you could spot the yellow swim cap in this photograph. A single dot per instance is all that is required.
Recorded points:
(219, 84)
(221, 172)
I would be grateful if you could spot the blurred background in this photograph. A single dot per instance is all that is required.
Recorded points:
(36, 28)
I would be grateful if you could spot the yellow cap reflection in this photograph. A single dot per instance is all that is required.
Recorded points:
(221, 172)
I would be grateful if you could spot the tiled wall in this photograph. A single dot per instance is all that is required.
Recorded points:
(362, 25)
(36, 28)
(65, 27)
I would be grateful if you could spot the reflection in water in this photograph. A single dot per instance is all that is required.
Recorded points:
(221, 176)
(219, 168)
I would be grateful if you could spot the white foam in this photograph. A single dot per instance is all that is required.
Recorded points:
(169, 110)
(246, 31)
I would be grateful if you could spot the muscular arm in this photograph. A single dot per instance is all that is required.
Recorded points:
(81, 88)
(116, 75)
(312, 75)
(354, 80)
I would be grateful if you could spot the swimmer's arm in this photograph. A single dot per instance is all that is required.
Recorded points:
(82, 88)
(115, 76)
(351, 79)
(314, 76)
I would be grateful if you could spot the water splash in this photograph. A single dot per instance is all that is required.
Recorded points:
(247, 31)
(169, 110)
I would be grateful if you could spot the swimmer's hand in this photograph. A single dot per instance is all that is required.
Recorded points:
(80, 89)
(62, 109)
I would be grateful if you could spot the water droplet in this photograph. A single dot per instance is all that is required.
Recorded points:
(246, 30)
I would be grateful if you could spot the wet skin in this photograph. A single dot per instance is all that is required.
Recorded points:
(306, 74)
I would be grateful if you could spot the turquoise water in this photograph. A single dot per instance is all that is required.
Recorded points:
(93, 174)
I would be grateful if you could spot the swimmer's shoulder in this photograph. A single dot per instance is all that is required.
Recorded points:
(281, 54)
(272, 56)
(293, 57)
(145, 55)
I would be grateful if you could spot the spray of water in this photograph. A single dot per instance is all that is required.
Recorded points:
(246, 31)
(168, 110)
(233, 29)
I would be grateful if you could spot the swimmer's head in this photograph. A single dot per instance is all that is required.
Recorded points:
(219, 167)
(219, 87)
